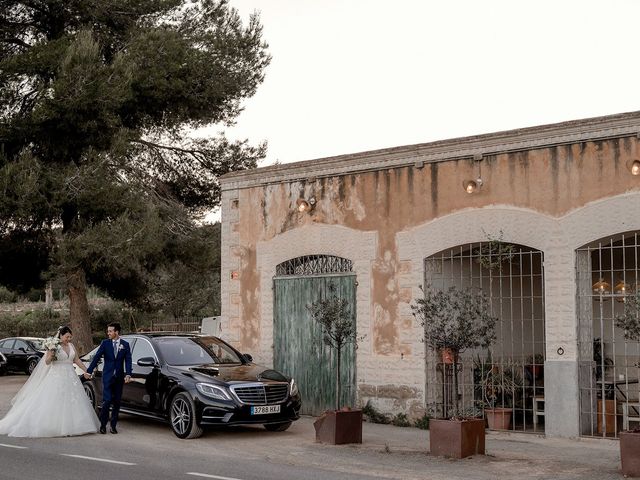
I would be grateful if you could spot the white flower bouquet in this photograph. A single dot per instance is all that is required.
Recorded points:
(51, 343)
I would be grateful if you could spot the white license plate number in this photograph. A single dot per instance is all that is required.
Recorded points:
(266, 409)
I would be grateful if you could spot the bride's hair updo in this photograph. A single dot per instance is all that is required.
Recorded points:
(63, 330)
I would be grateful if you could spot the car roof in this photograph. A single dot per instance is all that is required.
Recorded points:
(166, 334)
(31, 339)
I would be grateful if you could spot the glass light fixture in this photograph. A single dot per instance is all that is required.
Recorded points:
(303, 205)
(472, 186)
(635, 167)
(621, 289)
(601, 287)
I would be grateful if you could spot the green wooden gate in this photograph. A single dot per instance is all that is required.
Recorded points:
(298, 347)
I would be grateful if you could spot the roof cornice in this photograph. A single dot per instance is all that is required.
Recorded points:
(576, 131)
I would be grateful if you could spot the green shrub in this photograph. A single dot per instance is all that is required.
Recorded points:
(34, 323)
(400, 420)
(422, 422)
(374, 415)
(6, 295)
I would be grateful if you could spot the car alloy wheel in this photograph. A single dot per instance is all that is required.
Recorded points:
(31, 366)
(182, 414)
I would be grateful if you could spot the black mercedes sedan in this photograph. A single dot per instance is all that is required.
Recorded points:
(196, 381)
(22, 354)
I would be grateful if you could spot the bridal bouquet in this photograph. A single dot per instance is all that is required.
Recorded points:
(51, 343)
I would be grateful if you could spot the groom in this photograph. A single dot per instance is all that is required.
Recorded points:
(117, 361)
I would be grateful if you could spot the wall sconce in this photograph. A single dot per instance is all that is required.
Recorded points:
(634, 167)
(473, 186)
(303, 205)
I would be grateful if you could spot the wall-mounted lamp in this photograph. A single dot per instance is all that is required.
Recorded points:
(472, 186)
(305, 205)
(634, 167)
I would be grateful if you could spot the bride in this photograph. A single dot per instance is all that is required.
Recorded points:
(52, 403)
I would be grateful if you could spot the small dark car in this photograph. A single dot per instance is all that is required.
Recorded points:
(22, 353)
(197, 381)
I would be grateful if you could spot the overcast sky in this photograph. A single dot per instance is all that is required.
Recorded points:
(355, 75)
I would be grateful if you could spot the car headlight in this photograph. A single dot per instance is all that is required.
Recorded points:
(293, 388)
(212, 391)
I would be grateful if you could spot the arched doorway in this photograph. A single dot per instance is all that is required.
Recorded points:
(509, 376)
(608, 278)
(299, 350)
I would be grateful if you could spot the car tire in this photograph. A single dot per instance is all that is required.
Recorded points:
(182, 416)
(277, 427)
(31, 366)
(88, 389)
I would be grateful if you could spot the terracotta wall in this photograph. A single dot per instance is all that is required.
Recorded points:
(552, 181)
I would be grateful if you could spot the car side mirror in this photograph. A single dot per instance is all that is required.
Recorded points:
(22, 350)
(147, 362)
(248, 357)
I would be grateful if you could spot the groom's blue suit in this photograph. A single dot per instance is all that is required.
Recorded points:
(116, 366)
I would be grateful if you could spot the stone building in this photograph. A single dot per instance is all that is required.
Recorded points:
(375, 227)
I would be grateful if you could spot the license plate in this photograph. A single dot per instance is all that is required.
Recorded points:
(265, 409)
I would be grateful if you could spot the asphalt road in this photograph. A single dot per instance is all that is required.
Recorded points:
(146, 449)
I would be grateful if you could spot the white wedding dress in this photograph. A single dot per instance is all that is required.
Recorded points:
(52, 403)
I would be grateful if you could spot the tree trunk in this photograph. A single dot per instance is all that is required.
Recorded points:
(48, 295)
(79, 311)
(455, 385)
(338, 382)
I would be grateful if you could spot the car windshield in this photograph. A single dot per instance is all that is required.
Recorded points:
(195, 351)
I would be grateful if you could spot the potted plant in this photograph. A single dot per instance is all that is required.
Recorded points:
(456, 319)
(342, 425)
(629, 321)
(500, 384)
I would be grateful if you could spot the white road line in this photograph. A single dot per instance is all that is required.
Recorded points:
(11, 446)
(195, 474)
(97, 459)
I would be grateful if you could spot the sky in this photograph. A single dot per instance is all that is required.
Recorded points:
(356, 75)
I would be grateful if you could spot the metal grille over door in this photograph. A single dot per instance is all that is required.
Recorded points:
(608, 275)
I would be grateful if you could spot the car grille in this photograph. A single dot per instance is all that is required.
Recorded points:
(262, 394)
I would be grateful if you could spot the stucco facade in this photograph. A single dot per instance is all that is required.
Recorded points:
(553, 188)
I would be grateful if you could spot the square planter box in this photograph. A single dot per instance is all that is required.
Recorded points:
(338, 427)
(630, 453)
(457, 438)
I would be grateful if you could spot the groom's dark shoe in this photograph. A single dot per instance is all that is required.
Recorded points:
(113, 430)
(103, 429)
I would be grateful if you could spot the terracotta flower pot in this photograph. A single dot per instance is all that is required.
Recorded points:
(498, 418)
(630, 453)
(456, 438)
(448, 355)
(339, 427)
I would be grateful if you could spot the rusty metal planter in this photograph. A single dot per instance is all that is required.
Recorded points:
(339, 427)
(457, 438)
(630, 453)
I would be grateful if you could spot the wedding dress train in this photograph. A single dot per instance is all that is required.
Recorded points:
(52, 403)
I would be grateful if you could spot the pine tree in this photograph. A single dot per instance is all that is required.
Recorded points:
(97, 100)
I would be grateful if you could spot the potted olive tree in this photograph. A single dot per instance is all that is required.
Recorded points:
(456, 319)
(342, 425)
(629, 321)
(500, 384)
